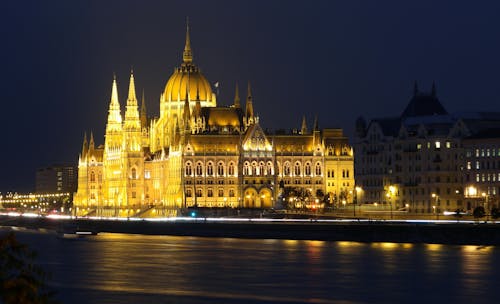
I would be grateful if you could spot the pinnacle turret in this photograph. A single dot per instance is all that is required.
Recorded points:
(303, 130)
(114, 114)
(85, 146)
(131, 112)
(237, 97)
(143, 115)
(249, 104)
(187, 55)
(187, 111)
(91, 144)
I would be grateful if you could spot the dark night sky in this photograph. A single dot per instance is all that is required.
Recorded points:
(336, 59)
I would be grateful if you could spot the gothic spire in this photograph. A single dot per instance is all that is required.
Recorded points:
(249, 104)
(131, 89)
(304, 126)
(114, 114)
(236, 97)
(144, 115)
(85, 146)
(187, 55)
(91, 144)
(132, 121)
(187, 111)
(433, 90)
(197, 107)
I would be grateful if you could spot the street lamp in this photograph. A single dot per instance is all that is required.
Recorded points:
(435, 196)
(356, 196)
(390, 194)
(485, 203)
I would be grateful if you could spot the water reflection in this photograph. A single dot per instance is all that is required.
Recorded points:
(115, 268)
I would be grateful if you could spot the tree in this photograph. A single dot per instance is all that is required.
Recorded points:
(21, 281)
(495, 213)
(478, 212)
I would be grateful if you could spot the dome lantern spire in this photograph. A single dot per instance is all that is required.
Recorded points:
(236, 97)
(187, 55)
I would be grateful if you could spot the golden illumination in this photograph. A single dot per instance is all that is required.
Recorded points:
(199, 154)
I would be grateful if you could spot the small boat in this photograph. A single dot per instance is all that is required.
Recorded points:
(73, 231)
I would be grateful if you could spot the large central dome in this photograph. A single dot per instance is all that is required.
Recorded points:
(186, 78)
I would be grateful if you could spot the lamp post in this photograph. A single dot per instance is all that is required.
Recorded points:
(357, 191)
(485, 204)
(436, 197)
(390, 193)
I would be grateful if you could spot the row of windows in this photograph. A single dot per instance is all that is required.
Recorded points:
(210, 193)
(297, 169)
(209, 169)
(483, 165)
(331, 173)
(254, 168)
(487, 177)
(483, 152)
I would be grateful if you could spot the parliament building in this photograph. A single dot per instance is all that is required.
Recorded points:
(199, 154)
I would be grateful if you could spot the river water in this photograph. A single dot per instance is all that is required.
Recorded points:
(123, 268)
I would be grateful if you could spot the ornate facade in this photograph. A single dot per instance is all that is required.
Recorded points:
(429, 161)
(199, 154)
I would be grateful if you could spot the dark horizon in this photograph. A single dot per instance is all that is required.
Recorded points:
(334, 59)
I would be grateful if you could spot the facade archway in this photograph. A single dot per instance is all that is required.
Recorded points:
(250, 198)
(265, 198)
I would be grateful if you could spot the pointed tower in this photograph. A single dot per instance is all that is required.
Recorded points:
(197, 106)
(433, 89)
(237, 97)
(187, 112)
(114, 124)
(187, 55)
(132, 157)
(113, 185)
(249, 116)
(303, 129)
(316, 132)
(91, 144)
(143, 115)
(132, 123)
(85, 146)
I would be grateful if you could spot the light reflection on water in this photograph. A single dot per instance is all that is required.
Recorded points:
(113, 268)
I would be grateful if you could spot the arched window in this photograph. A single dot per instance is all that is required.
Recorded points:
(262, 168)
(189, 169)
(92, 176)
(133, 174)
(343, 173)
(308, 169)
(318, 169)
(269, 168)
(210, 169)
(246, 168)
(220, 169)
(189, 193)
(296, 169)
(199, 169)
(254, 168)
(230, 169)
(278, 165)
(347, 173)
(286, 169)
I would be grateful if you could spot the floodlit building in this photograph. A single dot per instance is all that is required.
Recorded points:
(199, 154)
(426, 160)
